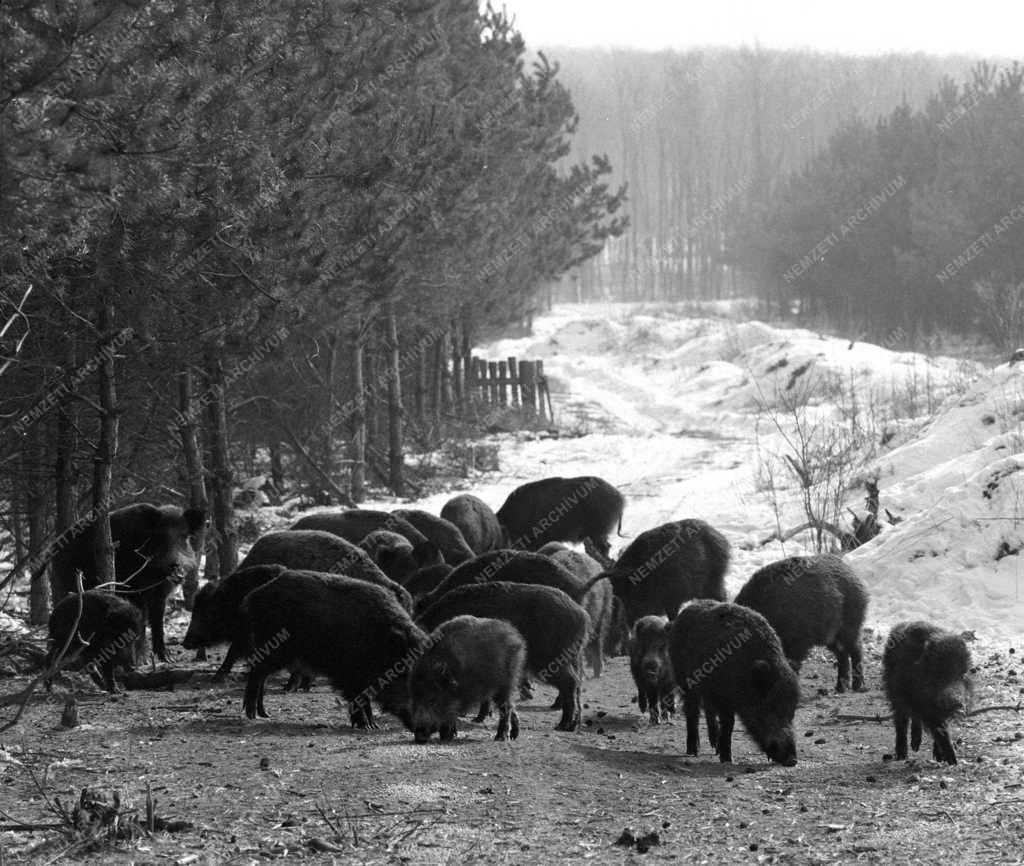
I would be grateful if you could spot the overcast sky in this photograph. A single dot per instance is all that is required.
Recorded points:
(991, 29)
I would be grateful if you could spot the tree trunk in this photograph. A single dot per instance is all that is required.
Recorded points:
(276, 466)
(358, 482)
(39, 598)
(36, 510)
(223, 513)
(328, 461)
(396, 467)
(467, 368)
(420, 397)
(373, 425)
(18, 530)
(194, 472)
(445, 391)
(106, 446)
(457, 379)
(65, 474)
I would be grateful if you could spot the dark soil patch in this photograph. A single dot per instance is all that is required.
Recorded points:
(303, 786)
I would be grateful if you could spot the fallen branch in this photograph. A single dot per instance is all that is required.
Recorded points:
(323, 847)
(981, 710)
(328, 822)
(25, 647)
(840, 534)
(852, 717)
(417, 811)
(192, 708)
(28, 828)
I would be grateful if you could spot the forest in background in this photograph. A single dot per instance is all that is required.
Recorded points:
(838, 190)
(260, 228)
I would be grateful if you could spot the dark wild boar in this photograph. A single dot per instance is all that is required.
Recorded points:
(813, 601)
(313, 550)
(154, 550)
(729, 659)
(669, 565)
(562, 509)
(354, 633)
(476, 521)
(927, 680)
(469, 661)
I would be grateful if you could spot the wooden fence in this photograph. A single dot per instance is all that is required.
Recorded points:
(511, 384)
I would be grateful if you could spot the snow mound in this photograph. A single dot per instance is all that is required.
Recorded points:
(985, 423)
(721, 341)
(800, 367)
(587, 336)
(959, 486)
(666, 353)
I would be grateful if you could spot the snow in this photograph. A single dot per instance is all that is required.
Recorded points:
(960, 489)
(673, 409)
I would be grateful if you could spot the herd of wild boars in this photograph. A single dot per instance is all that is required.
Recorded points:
(432, 617)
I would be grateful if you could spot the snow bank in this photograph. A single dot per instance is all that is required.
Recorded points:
(671, 402)
(959, 487)
(726, 366)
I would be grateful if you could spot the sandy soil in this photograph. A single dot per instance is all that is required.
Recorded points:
(280, 788)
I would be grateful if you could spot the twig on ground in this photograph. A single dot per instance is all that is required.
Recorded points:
(328, 822)
(852, 717)
(810, 524)
(21, 827)
(1016, 708)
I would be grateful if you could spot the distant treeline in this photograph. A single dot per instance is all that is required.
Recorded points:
(876, 192)
(913, 222)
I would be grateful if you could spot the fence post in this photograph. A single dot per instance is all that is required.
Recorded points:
(502, 382)
(540, 382)
(492, 375)
(485, 379)
(476, 386)
(460, 382)
(528, 386)
(513, 380)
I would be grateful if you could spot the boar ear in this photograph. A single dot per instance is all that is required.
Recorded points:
(761, 676)
(427, 553)
(195, 519)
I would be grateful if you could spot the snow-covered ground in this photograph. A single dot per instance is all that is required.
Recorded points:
(674, 412)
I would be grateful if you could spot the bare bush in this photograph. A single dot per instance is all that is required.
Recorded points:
(820, 453)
